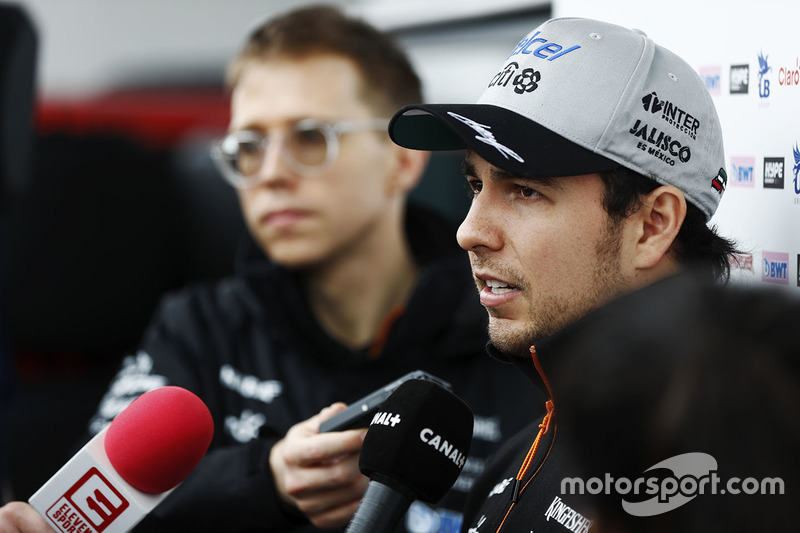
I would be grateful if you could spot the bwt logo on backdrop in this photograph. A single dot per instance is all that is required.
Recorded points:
(740, 79)
(742, 172)
(775, 268)
(712, 77)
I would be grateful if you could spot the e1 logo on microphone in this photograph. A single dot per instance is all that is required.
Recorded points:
(90, 505)
(118, 480)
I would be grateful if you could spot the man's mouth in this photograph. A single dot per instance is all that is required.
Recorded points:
(498, 287)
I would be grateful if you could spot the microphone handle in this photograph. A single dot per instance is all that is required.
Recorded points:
(381, 509)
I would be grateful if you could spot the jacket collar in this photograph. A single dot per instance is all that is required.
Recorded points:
(443, 313)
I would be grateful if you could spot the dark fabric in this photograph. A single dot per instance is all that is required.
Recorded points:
(540, 492)
(683, 366)
(490, 503)
(250, 347)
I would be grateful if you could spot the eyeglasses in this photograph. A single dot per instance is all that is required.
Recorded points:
(308, 148)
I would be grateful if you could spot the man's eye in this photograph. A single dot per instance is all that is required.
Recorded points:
(527, 192)
(475, 186)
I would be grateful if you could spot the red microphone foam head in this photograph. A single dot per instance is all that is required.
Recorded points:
(159, 438)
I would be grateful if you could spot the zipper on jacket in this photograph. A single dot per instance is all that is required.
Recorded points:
(544, 427)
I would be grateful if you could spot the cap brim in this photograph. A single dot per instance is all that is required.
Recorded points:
(502, 137)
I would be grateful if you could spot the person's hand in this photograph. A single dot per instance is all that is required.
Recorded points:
(318, 472)
(20, 517)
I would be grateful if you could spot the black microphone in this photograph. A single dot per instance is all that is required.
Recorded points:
(415, 448)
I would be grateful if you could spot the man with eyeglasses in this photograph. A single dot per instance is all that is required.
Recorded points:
(342, 288)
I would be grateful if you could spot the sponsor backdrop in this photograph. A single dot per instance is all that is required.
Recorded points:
(748, 54)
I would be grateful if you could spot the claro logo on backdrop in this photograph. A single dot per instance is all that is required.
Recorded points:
(789, 75)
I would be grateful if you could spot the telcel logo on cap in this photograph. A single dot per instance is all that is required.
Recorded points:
(549, 51)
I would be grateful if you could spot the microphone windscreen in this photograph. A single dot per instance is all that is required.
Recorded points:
(419, 439)
(159, 438)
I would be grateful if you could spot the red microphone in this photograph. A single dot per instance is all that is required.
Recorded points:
(130, 467)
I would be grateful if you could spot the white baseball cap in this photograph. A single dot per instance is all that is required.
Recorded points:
(580, 96)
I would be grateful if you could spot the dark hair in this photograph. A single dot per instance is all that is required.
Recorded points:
(697, 244)
(388, 79)
(682, 366)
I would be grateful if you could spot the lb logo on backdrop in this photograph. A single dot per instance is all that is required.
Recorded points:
(763, 80)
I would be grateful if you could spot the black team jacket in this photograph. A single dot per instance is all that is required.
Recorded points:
(251, 349)
(520, 490)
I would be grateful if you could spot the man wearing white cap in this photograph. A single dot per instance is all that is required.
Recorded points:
(595, 157)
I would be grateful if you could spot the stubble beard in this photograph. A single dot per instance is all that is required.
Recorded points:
(550, 314)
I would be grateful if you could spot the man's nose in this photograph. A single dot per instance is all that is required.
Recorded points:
(479, 229)
(274, 169)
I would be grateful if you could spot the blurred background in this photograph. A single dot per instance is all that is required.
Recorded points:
(108, 197)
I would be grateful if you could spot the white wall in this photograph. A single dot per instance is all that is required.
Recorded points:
(88, 46)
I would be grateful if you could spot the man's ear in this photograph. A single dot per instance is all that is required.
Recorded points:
(408, 167)
(659, 220)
